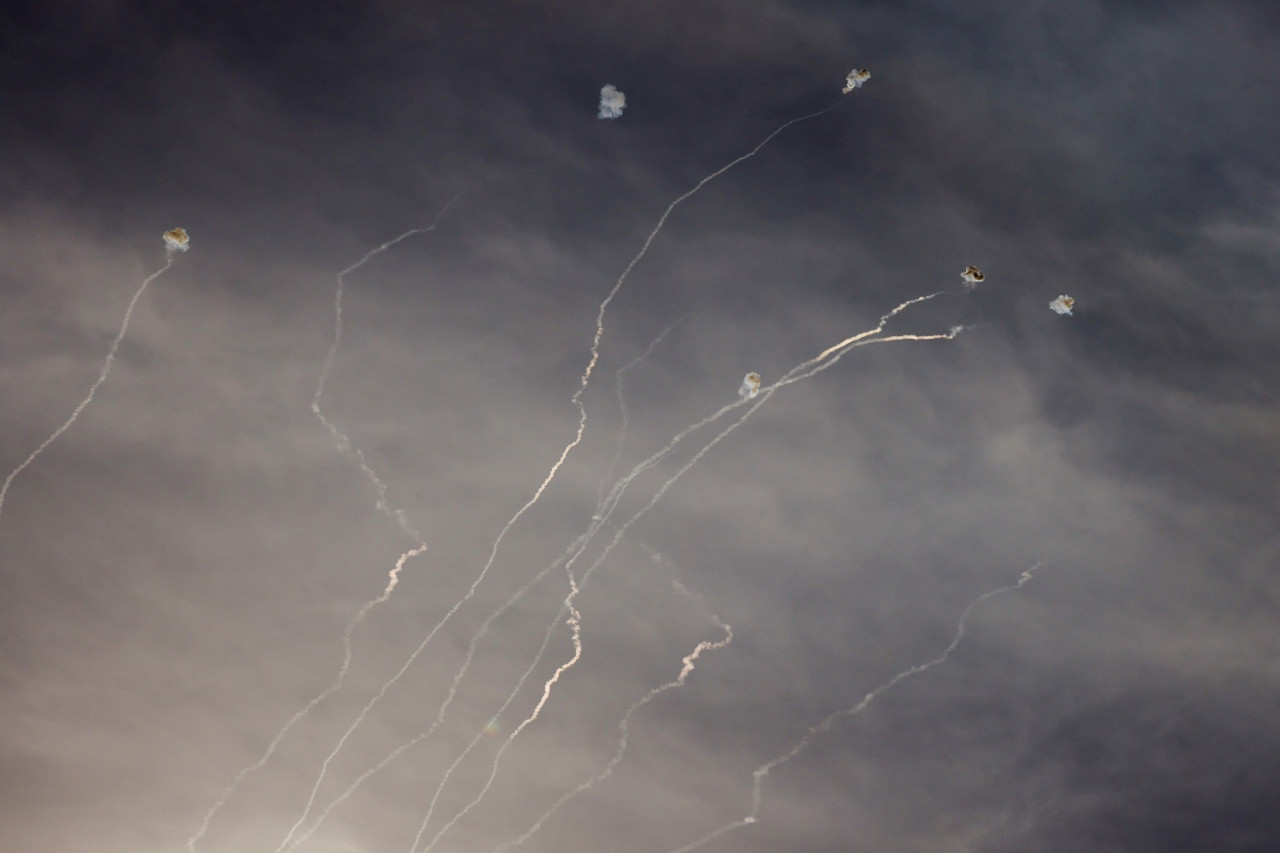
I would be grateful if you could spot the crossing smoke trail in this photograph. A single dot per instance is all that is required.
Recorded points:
(624, 728)
(340, 438)
(344, 444)
(824, 360)
(311, 817)
(576, 399)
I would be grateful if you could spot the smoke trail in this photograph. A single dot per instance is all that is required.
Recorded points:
(804, 370)
(576, 399)
(624, 730)
(344, 444)
(575, 625)
(93, 389)
(762, 772)
(340, 438)
(441, 713)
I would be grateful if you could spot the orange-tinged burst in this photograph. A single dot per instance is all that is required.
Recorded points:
(176, 240)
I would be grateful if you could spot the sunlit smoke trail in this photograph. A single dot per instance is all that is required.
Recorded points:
(93, 389)
(511, 697)
(662, 220)
(575, 549)
(351, 789)
(762, 772)
(600, 517)
(576, 399)
(624, 729)
(409, 661)
(575, 624)
(333, 687)
(567, 606)
(824, 360)
(481, 632)
(441, 713)
(574, 621)
(344, 445)
(827, 358)
(387, 685)
(340, 438)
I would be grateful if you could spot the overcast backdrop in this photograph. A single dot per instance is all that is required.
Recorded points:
(180, 567)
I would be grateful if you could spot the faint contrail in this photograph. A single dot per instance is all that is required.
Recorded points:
(339, 437)
(622, 403)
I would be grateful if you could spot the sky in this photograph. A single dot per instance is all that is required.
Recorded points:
(415, 507)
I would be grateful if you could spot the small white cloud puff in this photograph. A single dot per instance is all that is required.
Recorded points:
(1062, 305)
(612, 102)
(750, 386)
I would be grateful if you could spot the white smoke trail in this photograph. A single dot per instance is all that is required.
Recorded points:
(441, 713)
(624, 730)
(600, 517)
(822, 361)
(93, 389)
(762, 772)
(340, 438)
(344, 445)
(576, 399)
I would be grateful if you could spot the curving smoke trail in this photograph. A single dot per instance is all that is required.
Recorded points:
(762, 772)
(824, 360)
(576, 399)
(624, 727)
(344, 444)
(102, 374)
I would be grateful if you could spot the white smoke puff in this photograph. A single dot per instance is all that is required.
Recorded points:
(972, 276)
(750, 386)
(176, 240)
(612, 102)
(855, 80)
(1063, 305)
